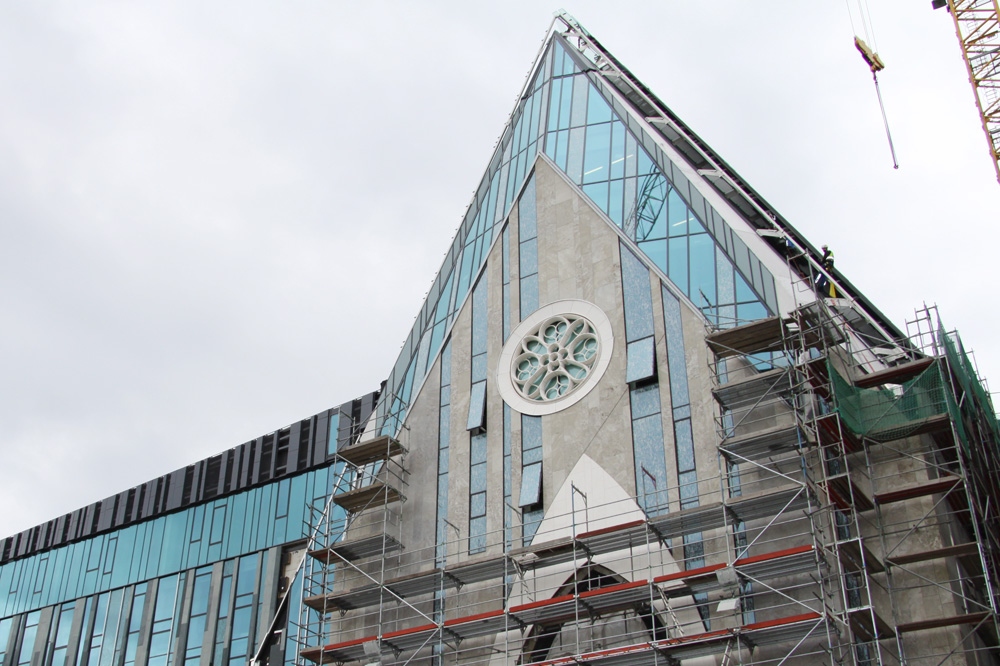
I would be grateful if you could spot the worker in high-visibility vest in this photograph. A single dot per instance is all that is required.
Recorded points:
(823, 284)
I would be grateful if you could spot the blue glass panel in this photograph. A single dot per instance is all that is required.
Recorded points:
(645, 401)
(641, 362)
(596, 160)
(529, 295)
(688, 482)
(751, 311)
(574, 161)
(743, 291)
(678, 259)
(554, 101)
(531, 431)
(477, 505)
(477, 407)
(676, 362)
(566, 101)
(598, 193)
(477, 447)
(638, 302)
(477, 477)
(580, 94)
(532, 455)
(617, 150)
(529, 258)
(531, 485)
(702, 270)
(443, 458)
(650, 464)
(562, 149)
(656, 250)
(684, 443)
(598, 110)
(679, 214)
(527, 212)
(479, 316)
(506, 311)
(615, 193)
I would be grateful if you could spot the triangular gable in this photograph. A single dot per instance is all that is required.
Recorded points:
(568, 112)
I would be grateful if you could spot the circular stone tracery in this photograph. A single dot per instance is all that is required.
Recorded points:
(555, 358)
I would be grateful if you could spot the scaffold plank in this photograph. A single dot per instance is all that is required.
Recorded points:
(478, 570)
(698, 645)
(960, 550)
(784, 562)
(690, 581)
(369, 497)
(847, 495)
(896, 374)
(867, 624)
(765, 443)
(942, 485)
(546, 553)
(856, 556)
(968, 618)
(617, 537)
(356, 549)
(781, 630)
(616, 597)
(545, 610)
(409, 639)
(339, 652)
(775, 382)
(767, 505)
(934, 423)
(481, 624)
(753, 338)
(362, 453)
(689, 521)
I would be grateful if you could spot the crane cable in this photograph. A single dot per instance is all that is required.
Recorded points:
(873, 61)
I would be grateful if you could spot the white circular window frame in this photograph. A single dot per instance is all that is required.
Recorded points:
(505, 383)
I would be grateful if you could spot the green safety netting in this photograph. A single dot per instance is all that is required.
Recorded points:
(968, 381)
(884, 414)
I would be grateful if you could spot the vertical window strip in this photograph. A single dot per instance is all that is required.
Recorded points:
(687, 475)
(135, 623)
(28, 638)
(507, 471)
(444, 438)
(477, 410)
(531, 452)
(505, 250)
(648, 450)
(528, 250)
(5, 627)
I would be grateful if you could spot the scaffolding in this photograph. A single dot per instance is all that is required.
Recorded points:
(852, 519)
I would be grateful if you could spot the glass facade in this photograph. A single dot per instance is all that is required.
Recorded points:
(160, 622)
(569, 113)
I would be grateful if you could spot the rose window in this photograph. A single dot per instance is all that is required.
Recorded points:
(555, 358)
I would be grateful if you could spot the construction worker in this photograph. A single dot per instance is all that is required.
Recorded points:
(823, 284)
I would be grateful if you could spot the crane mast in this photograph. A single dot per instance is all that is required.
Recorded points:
(977, 23)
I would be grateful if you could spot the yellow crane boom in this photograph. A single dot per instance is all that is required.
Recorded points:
(977, 23)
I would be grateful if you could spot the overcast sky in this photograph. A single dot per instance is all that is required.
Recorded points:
(219, 218)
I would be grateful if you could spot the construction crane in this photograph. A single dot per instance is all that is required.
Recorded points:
(977, 23)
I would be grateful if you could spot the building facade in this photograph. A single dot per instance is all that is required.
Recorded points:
(637, 420)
